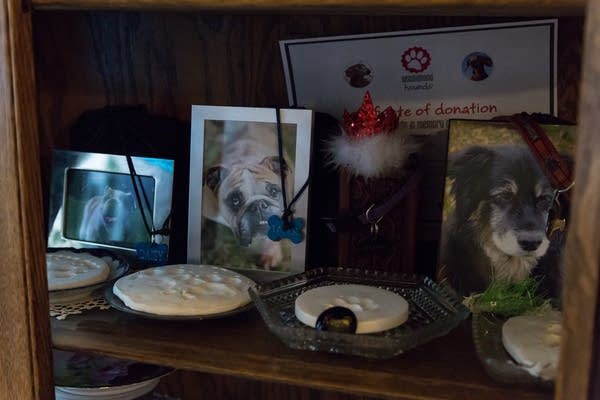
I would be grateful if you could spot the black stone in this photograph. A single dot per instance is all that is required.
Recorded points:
(337, 319)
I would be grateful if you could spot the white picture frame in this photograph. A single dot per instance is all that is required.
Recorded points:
(227, 217)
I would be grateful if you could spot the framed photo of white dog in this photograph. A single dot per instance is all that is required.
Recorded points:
(248, 197)
(501, 209)
(110, 201)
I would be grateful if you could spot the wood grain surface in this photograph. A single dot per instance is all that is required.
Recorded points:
(169, 61)
(24, 327)
(242, 346)
(581, 341)
(413, 7)
(189, 385)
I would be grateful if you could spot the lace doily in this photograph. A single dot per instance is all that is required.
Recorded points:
(62, 311)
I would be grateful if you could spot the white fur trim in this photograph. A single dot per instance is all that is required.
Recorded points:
(372, 156)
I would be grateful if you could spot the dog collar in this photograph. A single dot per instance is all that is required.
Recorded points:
(549, 159)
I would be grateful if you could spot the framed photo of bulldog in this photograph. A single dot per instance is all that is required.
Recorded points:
(497, 206)
(236, 167)
(93, 203)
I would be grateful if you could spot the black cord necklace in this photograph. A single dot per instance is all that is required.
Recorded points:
(164, 231)
(148, 251)
(285, 226)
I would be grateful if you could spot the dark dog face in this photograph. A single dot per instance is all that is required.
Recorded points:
(478, 63)
(247, 196)
(503, 191)
(358, 75)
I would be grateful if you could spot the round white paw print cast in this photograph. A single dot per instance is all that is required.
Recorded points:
(192, 285)
(356, 304)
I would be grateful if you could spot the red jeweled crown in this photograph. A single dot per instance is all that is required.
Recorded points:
(367, 121)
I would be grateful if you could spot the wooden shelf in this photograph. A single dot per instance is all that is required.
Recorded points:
(372, 7)
(242, 346)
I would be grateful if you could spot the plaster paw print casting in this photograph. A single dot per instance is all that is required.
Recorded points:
(184, 289)
(376, 309)
(68, 270)
(416, 59)
(533, 341)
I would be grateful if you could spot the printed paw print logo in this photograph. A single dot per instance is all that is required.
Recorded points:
(416, 59)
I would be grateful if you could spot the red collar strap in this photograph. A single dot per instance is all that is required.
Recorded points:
(554, 166)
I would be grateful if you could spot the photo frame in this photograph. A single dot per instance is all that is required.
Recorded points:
(235, 186)
(496, 208)
(93, 203)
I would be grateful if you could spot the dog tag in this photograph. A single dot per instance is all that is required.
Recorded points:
(277, 231)
(153, 252)
(556, 221)
(556, 225)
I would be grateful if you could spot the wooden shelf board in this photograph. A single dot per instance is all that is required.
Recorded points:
(242, 346)
(373, 7)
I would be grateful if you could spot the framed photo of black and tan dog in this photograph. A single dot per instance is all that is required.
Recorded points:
(93, 202)
(245, 167)
(497, 206)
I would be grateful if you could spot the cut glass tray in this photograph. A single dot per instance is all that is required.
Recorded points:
(499, 365)
(433, 312)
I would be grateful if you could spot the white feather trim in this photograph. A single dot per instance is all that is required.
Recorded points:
(372, 156)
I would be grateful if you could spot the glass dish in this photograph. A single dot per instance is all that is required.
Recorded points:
(116, 303)
(433, 311)
(498, 364)
(118, 268)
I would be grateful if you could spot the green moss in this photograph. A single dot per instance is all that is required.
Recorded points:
(509, 299)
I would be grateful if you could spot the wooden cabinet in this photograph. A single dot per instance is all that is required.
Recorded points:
(61, 57)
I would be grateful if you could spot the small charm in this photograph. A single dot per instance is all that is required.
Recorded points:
(337, 319)
(556, 225)
(556, 220)
(277, 231)
(156, 253)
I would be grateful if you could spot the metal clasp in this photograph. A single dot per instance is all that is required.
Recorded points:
(373, 223)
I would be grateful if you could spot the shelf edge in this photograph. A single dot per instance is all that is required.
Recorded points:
(375, 7)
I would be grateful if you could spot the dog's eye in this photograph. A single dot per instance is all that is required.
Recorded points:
(235, 200)
(543, 202)
(273, 190)
(503, 197)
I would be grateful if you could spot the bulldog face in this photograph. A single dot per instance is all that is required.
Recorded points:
(246, 196)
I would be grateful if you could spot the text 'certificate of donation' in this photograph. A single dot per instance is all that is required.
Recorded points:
(428, 76)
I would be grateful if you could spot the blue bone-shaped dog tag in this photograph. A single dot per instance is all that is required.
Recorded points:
(277, 231)
(153, 252)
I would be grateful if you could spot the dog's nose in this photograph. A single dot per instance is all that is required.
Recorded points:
(258, 205)
(529, 245)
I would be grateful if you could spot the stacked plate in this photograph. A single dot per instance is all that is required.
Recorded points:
(117, 265)
(80, 376)
(126, 392)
